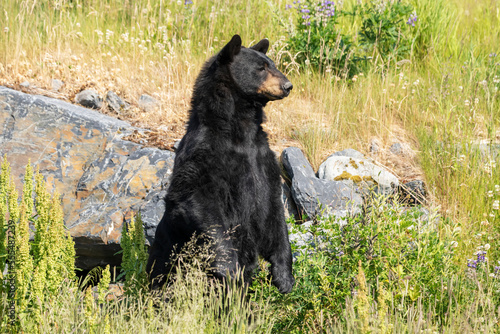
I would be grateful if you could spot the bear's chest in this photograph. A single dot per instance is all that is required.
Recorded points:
(247, 169)
(249, 175)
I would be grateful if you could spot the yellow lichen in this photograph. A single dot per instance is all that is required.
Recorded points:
(353, 163)
(344, 176)
(356, 178)
(368, 178)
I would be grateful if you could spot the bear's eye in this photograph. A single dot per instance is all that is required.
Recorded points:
(263, 67)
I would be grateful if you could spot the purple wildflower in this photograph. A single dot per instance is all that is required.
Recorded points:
(472, 263)
(288, 7)
(413, 19)
(481, 256)
(328, 8)
(188, 2)
(305, 10)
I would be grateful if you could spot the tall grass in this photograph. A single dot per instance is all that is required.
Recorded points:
(197, 306)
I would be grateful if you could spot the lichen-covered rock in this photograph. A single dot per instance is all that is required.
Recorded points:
(102, 178)
(362, 172)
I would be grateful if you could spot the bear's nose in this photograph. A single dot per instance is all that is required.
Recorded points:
(287, 87)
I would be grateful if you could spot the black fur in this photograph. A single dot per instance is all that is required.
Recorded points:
(226, 180)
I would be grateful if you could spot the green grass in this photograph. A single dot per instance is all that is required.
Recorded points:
(439, 101)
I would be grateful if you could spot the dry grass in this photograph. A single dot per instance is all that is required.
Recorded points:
(85, 50)
(157, 47)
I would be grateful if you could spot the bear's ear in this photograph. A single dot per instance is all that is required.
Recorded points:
(226, 55)
(262, 46)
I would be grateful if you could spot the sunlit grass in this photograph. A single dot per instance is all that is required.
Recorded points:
(440, 102)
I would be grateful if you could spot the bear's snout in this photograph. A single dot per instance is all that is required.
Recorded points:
(276, 86)
(287, 87)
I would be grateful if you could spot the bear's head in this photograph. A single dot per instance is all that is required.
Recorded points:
(253, 73)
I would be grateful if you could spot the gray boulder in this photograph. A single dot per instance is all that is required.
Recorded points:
(101, 177)
(89, 98)
(374, 146)
(116, 103)
(288, 202)
(57, 84)
(396, 149)
(313, 196)
(296, 164)
(147, 103)
(413, 192)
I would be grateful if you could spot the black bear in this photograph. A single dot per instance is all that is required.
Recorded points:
(226, 180)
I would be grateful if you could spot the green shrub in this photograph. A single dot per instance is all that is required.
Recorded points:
(134, 257)
(404, 252)
(385, 30)
(39, 267)
(317, 40)
(321, 37)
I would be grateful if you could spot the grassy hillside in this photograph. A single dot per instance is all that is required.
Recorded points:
(439, 96)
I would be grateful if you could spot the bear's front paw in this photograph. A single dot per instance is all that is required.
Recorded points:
(284, 282)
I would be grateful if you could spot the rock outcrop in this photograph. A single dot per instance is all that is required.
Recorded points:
(102, 178)
(314, 196)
